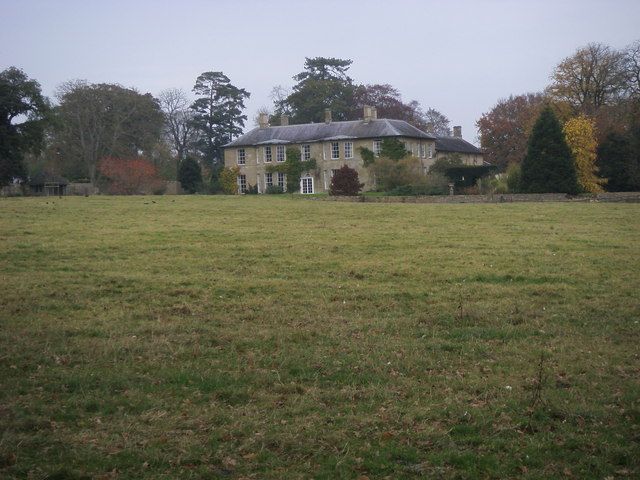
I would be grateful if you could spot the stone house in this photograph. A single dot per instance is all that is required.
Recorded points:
(331, 144)
(456, 145)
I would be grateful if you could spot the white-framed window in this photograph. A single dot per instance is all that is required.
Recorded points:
(324, 177)
(333, 172)
(267, 154)
(258, 184)
(423, 150)
(377, 147)
(306, 185)
(241, 156)
(335, 150)
(268, 180)
(306, 152)
(282, 183)
(281, 155)
(430, 151)
(242, 183)
(348, 149)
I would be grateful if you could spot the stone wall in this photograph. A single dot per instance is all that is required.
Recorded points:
(173, 188)
(628, 197)
(75, 188)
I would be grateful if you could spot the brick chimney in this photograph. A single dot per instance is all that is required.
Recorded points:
(457, 131)
(263, 120)
(327, 115)
(284, 120)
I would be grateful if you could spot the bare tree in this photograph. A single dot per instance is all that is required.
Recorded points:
(279, 95)
(632, 68)
(592, 77)
(436, 123)
(178, 120)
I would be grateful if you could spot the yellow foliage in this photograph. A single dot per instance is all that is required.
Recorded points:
(580, 135)
(229, 180)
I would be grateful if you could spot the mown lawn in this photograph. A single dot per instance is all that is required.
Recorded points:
(262, 337)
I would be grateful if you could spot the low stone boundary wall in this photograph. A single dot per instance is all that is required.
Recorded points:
(627, 197)
(75, 188)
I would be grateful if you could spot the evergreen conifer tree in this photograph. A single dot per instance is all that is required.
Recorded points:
(548, 165)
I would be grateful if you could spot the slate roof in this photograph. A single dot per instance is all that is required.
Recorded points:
(315, 132)
(455, 144)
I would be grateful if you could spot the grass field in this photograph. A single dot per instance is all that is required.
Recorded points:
(271, 337)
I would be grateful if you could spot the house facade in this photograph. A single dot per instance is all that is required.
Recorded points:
(331, 144)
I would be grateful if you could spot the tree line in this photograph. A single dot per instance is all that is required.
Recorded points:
(594, 95)
(101, 131)
(88, 127)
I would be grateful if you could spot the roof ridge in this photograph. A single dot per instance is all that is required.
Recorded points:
(388, 120)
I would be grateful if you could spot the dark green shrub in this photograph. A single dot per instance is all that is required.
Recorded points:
(190, 175)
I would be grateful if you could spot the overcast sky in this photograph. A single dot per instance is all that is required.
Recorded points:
(459, 57)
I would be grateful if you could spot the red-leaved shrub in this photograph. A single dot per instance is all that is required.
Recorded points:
(345, 182)
(130, 176)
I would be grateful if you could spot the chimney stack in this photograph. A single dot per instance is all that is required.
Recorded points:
(284, 120)
(374, 113)
(263, 120)
(367, 114)
(457, 131)
(327, 115)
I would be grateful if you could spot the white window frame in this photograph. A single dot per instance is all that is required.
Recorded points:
(282, 181)
(423, 150)
(430, 151)
(241, 156)
(349, 153)
(377, 147)
(258, 184)
(242, 183)
(335, 150)
(302, 184)
(281, 153)
(268, 154)
(268, 180)
(305, 150)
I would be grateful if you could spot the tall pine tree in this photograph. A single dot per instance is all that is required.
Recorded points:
(548, 165)
(217, 113)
